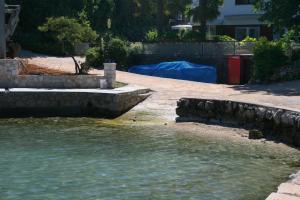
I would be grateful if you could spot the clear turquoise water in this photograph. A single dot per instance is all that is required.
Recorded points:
(55, 159)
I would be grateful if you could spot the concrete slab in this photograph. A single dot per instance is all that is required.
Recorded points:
(276, 196)
(289, 188)
(99, 103)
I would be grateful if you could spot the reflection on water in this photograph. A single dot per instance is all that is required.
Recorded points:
(88, 159)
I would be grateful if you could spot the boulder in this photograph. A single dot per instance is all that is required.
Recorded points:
(255, 134)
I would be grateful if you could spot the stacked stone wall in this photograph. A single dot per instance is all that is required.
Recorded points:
(282, 123)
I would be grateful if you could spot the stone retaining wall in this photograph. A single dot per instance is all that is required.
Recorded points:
(10, 78)
(50, 81)
(9, 68)
(284, 124)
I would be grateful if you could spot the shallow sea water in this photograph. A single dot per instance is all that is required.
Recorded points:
(63, 158)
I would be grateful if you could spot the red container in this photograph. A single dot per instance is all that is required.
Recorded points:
(234, 70)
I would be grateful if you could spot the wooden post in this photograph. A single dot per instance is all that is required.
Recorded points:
(2, 30)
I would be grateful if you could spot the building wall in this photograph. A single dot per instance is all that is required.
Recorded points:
(229, 8)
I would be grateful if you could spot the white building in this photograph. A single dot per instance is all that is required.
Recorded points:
(238, 19)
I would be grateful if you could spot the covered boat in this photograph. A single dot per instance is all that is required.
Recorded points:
(178, 70)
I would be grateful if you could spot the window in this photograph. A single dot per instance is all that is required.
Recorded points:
(242, 32)
(244, 2)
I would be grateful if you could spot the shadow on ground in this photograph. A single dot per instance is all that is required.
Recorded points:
(291, 88)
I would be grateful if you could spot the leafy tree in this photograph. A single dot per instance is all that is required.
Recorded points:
(207, 10)
(68, 30)
(98, 12)
(35, 12)
(176, 7)
(281, 13)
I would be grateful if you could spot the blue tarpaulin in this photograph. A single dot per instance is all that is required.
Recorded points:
(178, 70)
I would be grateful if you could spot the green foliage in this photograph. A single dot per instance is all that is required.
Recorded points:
(170, 36)
(112, 50)
(181, 36)
(39, 43)
(116, 51)
(281, 13)
(152, 36)
(68, 30)
(94, 57)
(191, 36)
(224, 38)
(290, 41)
(269, 56)
(247, 41)
(207, 10)
(135, 48)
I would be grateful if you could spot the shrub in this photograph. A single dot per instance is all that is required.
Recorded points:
(116, 50)
(247, 40)
(268, 57)
(113, 50)
(152, 36)
(170, 36)
(224, 38)
(94, 57)
(135, 48)
(135, 51)
(191, 36)
(68, 30)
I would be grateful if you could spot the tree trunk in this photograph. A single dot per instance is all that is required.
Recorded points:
(203, 30)
(203, 20)
(144, 6)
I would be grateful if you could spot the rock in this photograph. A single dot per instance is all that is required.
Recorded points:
(250, 114)
(287, 119)
(229, 107)
(269, 115)
(209, 106)
(255, 134)
(261, 113)
(186, 103)
(277, 116)
(200, 105)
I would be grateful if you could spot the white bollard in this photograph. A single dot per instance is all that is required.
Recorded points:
(110, 74)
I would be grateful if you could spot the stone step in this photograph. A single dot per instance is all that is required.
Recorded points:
(276, 196)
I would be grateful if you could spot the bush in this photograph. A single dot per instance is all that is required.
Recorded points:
(152, 36)
(170, 36)
(68, 31)
(268, 57)
(247, 40)
(94, 57)
(191, 36)
(135, 51)
(135, 48)
(224, 38)
(116, 50)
